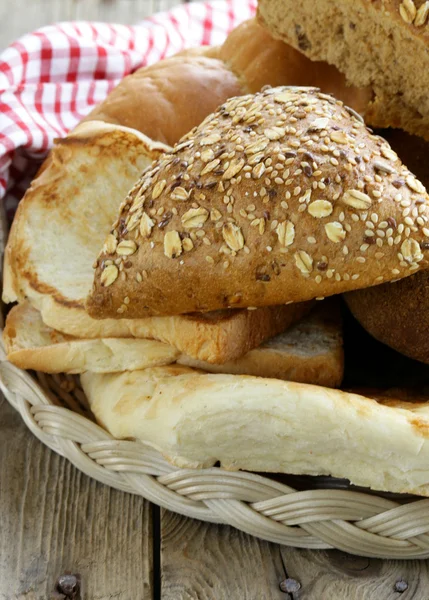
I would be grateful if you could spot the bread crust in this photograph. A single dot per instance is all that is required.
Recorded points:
(277, 197)
(397, 314)
(165, 100)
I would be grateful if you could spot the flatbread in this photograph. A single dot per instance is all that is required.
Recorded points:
(266, 425)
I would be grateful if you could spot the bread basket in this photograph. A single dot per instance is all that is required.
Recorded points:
(333, 515)
(304, 512)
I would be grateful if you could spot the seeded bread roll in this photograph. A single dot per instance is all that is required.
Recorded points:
(383, 44)
(397, 314)
(279, 197)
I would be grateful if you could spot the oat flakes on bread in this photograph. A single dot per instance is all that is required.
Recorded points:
(397, 314)
(277, 197)
(382, 44)
(266, 425)
(310, 351)
(69, 209)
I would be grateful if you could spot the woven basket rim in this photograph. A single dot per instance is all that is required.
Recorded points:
(356, 522)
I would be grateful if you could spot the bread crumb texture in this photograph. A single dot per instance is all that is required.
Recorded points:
(382, 44)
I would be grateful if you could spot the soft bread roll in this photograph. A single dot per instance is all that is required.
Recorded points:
(170, 97)
(310, 352)
(266, 425)
(257, 59)
(278, 197)
(382, 44)
(397, 314)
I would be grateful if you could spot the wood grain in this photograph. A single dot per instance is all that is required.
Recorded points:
(335, 575)
(21, 16)
(55, 519)
(212, 562)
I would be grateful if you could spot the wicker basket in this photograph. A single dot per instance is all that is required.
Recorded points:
(56, 411)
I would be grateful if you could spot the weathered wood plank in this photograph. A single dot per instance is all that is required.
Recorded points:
(211, 562)
(55, 519)
(208, 562)
(120, 11)
(335, 575)
(22, 16)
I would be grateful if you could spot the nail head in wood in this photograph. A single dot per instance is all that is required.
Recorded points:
(290, 586)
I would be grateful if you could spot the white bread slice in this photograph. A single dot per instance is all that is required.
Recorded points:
(30, 344)
(68, 208)
(255, 424)
(310, 352)
(64, 218)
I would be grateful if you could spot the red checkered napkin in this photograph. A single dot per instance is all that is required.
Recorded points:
(52, 78)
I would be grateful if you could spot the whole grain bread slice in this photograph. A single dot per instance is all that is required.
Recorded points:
(383, 44)
(310, 351)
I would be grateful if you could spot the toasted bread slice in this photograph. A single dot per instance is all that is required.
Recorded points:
(310, 351)
(258, 424)
(67, 210)
(30, 341)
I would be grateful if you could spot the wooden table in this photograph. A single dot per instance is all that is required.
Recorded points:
(55, 520)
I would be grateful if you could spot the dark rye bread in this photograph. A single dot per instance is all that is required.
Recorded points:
(383, 44)
(397, 314)
(279, 197)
